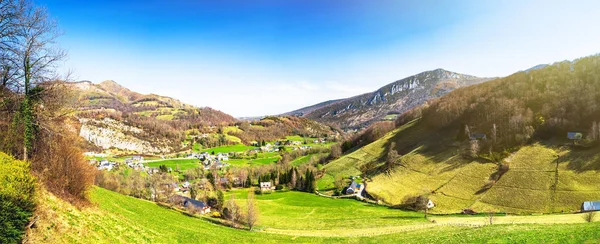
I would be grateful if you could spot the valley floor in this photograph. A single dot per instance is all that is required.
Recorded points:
(290, 217)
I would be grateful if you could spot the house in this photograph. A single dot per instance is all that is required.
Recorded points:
(105, 165)
(574, 135)
(223, 181)
(237, 181)
(430, 204)
(187, 202)
(137, 158)
(355, 188)
(478, 136)
(590, 206)
(222, 156)
(153, 170)
(265, 186)
(200, 205)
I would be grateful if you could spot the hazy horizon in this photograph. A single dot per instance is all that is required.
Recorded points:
(271, 57)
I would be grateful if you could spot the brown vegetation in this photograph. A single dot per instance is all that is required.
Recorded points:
(542, 103)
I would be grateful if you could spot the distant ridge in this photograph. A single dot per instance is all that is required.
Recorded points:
(395, 98)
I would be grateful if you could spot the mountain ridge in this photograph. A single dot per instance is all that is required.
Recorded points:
(397, 97)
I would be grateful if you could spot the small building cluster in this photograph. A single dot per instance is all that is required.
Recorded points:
(135, 162)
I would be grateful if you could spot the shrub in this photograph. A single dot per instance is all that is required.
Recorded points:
(279, 187)
(215, 214)
(59, 163)
(17, 188)
(589, 216)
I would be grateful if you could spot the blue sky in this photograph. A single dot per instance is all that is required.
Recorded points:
(251, 58)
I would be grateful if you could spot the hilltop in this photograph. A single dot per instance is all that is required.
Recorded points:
(112, 116)
(527, 164)
(388, 101)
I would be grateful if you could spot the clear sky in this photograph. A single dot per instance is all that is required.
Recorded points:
(260, 57)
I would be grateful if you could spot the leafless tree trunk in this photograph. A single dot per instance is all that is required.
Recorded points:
(252, 211)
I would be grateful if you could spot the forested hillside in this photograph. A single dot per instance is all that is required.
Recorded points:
(497, 146)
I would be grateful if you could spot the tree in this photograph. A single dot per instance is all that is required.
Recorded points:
(589, 216)
(336, 151)
(338, 184)
(193, 191)
(392, 157)
(252, 210)
(421, 204)
(37, 56)
(494, 134)
(293, 179)
(163, 168)
(220, 199)
(474, 148)
(232, 211)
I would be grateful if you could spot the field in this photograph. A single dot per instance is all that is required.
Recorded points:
(229, 148)
(173, 163)
(535, 182)
(289, 217)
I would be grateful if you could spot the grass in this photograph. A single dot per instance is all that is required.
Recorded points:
(228, 148)
(304, 159)
(290, 217)
(390, 117)
(165, 117)
(228, 129)
(431, 166)
(324, 213)
(173, 163)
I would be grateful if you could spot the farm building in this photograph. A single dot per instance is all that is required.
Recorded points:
(478, 136)
(187, 202)
(355, 188)
(574, 135)
(265, 186)
(590, 206)
(430, 204)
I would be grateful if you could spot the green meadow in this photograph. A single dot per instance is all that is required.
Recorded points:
(537, 182)
(290, 217)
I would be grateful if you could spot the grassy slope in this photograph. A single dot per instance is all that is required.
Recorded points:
(432, 167)
(172, 163)
(115, 218)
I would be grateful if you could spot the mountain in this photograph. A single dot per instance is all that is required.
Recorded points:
(306, 110)
(388, 101)
(113, 116)
(498, 146)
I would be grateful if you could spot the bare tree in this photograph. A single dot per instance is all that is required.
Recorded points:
(336, 151)
(338, 183)
(37, 56)
(392, 157)
(421, 203)
(252, 210)
(232, 211)
(589, 216)
(11, 12)
(243, 175)
(294, 179)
